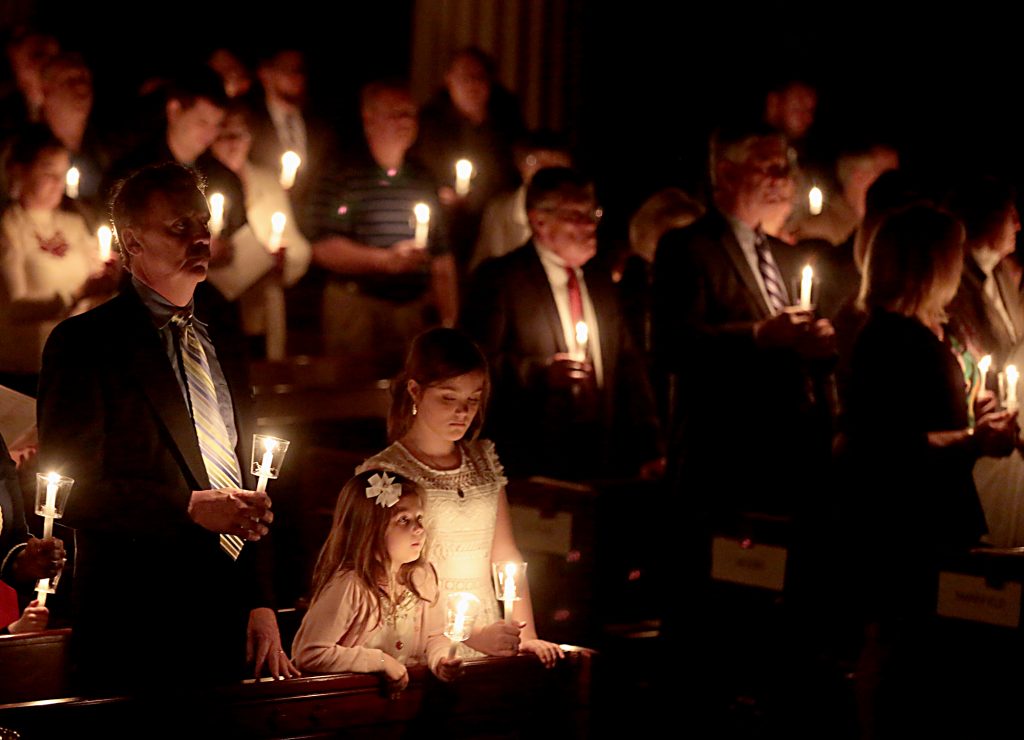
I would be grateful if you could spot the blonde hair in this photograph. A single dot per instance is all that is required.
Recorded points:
(908, 256)
(357, 544)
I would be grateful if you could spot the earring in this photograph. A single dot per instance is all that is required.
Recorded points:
(414, 409)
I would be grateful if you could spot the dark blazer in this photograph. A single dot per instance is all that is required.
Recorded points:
(746, 418)
(974, 317)
(113, 417)
(267, 150)
(13, 528)
(511, 311)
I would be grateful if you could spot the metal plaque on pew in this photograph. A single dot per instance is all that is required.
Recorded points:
(748, 564)
(974, 598)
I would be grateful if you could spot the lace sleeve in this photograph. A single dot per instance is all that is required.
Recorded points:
(494, 466)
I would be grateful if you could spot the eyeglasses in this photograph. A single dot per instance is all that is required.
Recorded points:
(574, 216)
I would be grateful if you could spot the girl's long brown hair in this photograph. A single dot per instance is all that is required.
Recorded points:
(357, 543)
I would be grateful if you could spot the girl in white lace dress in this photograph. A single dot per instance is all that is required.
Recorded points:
(375, 606)
(436, 413)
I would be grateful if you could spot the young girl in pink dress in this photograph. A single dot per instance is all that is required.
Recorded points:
(436, 413)
(375, 605)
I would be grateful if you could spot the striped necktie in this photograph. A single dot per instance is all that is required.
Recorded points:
(773, 285)
(218, 457)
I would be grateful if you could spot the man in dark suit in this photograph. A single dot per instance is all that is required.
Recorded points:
(749, 415)
(147, 410)
(571, 395)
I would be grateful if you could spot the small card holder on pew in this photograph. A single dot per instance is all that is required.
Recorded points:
(977, 599)
(747, 564)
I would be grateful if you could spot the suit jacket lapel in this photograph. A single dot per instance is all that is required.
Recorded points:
(148, 361)
(739, 262)
(537, 280)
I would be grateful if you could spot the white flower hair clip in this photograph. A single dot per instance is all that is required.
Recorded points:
(384, 489)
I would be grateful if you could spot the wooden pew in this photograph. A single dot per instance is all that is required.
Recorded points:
(495, 697)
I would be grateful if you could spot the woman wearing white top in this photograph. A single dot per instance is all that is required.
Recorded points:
(50, 265)
(262, 300)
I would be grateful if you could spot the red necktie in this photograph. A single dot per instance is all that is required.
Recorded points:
(575, 297)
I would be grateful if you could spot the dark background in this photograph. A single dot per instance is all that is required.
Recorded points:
(647, 82)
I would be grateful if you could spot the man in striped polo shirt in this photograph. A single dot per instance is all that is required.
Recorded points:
(386, 285)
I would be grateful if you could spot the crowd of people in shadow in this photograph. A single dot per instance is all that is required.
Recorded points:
(821, 339)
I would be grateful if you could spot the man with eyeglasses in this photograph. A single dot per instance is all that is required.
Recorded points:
(571, 397)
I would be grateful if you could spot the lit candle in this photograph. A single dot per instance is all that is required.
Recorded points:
(71, 182)
(1012, 377)
(459, 627)
(508, 597)
(290, 162)
(277, 222)
(582, 337)
(104, 236)
(422, 213)
(463, 173)
(806, 281)
(216, 213)
(983, 366)
(815, 200)
(49, 512)
(269, 446)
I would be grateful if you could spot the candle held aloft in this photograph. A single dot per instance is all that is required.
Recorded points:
(277, 224)
(1012, 378)
(509, 594)
(290, 162)
(216, 213)
(815, 201)
(806, 284)
(463, 174)
(582, 338)
(71, 180)
(105, 237)
(269, 446)
(422, 213)
(983, 367)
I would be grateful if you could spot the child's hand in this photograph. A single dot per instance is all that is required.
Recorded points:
(397, 675)
(33, 619)
(548, 652)
(449, 669)
(498, 639)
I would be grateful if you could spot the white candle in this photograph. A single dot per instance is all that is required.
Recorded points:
(463, 173)
(815, 200)
(983, 366)
(269, 446)
(459, 627)
(71, 182)
(1012, 377)
(290, 162)
(582, 337)
(105, 237)
(509, 595)
(216, 213)
(49, 512)
(806, 281)
(422, 213)
(277, 222)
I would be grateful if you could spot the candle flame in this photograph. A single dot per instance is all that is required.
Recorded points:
(422, 211)
(815, 200)
(277, 221)
(985, 363)
(217, 202)
(582, 332)
(269, 445)
(464, 169)
(105, 237)
(53, 478)
(510, 568)
(290, 161)
(72, 177)
(808, 273)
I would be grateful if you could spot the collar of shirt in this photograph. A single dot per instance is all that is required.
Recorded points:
(744, 234)
(986, 259)
(160, 309)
